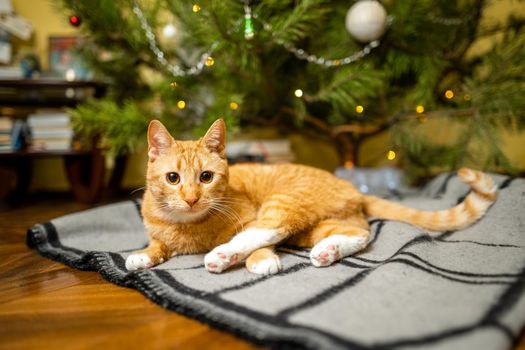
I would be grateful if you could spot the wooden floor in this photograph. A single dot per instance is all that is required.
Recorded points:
(46, 305)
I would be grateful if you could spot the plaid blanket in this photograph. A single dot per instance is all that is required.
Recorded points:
(408, 289)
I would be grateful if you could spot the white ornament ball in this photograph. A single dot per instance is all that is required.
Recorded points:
(366, 20)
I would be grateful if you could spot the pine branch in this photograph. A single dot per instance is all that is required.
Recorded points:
(294, 25)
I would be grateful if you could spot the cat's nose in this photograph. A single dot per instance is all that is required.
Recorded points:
(191, 201)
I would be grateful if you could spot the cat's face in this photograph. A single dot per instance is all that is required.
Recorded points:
(187, 179)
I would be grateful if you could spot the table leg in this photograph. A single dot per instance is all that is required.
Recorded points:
(85, 174)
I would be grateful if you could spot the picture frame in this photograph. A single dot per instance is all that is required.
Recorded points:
(64, 59)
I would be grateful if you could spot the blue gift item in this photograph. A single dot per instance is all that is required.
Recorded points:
(377, 181)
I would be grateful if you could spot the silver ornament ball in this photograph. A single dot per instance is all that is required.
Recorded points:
(366, 20)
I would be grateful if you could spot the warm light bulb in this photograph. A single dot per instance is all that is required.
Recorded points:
(391, 155)
(196, 8)
(359, 109)
(173, 84)
(209, 61)
(181, 104)
(169, 30)
(420, 109)
(234, 105)
(298, 93)
(449, 94)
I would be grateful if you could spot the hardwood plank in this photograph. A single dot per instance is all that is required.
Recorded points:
(521, 342)
(46, 305)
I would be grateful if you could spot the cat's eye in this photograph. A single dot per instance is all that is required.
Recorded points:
(173, 178)
(206, 177)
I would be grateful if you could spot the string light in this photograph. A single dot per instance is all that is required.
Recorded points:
(234, 105)
(249, 31)
(209, 61)
(391, 155)
(420, 109)
(178, 71)
(449, 94)
(181, 104)
(359, 109)
(173, 84)
(298, 93)
(319, 60)
(299, 53)
(169, 30)
(175, 70)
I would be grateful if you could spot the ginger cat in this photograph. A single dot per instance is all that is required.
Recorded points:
(195, 203)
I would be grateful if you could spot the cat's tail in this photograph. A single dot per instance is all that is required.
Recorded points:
(478, 201)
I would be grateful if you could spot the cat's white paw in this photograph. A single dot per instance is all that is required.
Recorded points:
(220, 258)
(325, 254)
(138, 261)
(336, 247)
(268, 266)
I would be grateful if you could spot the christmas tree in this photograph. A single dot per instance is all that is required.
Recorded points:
(335, 70)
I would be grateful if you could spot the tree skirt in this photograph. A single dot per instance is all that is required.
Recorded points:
(453, 290)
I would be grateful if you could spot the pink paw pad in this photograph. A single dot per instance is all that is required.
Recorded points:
(327, 256)
(217, 261)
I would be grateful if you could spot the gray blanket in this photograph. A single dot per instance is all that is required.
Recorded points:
(408, 289)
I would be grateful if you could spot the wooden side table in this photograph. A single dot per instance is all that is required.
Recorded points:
(85, 169)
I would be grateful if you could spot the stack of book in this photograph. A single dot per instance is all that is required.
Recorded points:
(6, 128)
(50, 131)
(267, 151)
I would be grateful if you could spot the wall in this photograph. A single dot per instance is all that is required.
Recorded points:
(48, 175)
(47, 20)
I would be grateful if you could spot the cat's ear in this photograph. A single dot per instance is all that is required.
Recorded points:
(159, 139)
(215, 137)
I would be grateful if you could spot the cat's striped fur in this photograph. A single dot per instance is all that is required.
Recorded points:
(245, 210)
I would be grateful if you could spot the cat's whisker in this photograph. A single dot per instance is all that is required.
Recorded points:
(227, 204)
(138, 189)
(165, 204)
(221, 215)
(229, 200)
(221, 200)
(222, 210)
(227, 211)
(234, 214)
